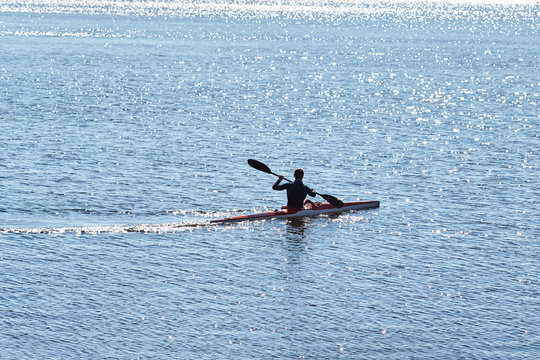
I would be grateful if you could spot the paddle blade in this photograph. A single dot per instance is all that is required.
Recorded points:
(334, 201)
(259, 166)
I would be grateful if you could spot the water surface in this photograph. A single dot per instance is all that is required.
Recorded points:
(126, 128)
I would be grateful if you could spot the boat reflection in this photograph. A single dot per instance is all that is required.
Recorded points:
(296, 227)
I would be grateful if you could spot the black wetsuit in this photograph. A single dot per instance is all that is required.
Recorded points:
(296, 193)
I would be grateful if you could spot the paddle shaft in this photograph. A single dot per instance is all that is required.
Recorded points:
(279, 176)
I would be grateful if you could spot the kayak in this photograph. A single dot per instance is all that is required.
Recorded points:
(324, 208)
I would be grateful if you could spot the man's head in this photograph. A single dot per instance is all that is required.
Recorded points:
(299, 174)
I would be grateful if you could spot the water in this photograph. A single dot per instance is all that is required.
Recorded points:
(126, 127)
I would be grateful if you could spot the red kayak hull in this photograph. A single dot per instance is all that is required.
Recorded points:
(324, 208)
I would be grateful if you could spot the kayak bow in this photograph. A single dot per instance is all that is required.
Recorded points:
(324, 208)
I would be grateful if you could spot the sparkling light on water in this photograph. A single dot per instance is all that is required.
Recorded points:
(125, 127)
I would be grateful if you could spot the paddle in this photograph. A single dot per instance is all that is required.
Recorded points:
(262, 167)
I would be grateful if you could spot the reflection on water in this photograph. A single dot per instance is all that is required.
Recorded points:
(296, 244)
(296, 228)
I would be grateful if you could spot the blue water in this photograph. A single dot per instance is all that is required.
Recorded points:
(125, 128)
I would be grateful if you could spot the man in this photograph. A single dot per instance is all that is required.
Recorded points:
(296, 191)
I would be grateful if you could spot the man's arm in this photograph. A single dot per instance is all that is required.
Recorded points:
(276, 186)
(311, 192)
